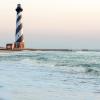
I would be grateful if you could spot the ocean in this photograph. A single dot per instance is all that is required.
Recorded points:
(49, 75)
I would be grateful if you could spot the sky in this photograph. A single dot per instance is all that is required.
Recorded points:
(72, 24)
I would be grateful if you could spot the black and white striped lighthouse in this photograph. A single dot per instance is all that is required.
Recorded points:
(19, 40)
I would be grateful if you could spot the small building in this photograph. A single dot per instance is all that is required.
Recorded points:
(10, 46)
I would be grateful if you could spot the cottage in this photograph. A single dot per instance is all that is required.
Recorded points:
(10, 46)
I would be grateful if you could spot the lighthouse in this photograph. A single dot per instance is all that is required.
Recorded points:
(19, 40)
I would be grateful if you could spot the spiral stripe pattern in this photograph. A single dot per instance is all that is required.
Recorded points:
(19, 28)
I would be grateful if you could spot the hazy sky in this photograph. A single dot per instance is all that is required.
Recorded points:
(53, 23)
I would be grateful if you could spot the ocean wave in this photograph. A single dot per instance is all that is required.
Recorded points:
(93, 71)
(89, 65)
(59, 61)
(80, 68)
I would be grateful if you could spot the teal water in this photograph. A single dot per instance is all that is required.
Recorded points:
(52, 75)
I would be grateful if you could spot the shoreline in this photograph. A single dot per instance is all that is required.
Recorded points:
(34, 49)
